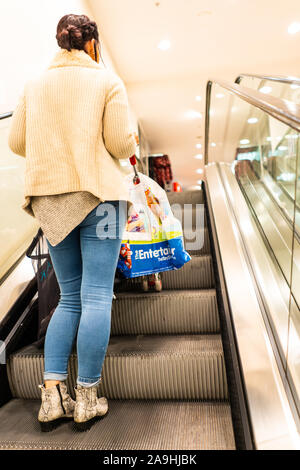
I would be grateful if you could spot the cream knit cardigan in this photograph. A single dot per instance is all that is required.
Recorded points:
(72, 125)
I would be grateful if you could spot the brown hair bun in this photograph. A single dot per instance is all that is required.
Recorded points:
(73, 31)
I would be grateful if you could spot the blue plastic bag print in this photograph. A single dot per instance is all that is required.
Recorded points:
(153, 240)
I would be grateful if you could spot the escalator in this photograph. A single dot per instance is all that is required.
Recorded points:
(164, 373)
(202, 364)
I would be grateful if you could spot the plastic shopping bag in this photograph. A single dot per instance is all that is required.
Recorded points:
(153, 240)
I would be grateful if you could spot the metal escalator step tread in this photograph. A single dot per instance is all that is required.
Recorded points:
(129, 425)
(166, 312)
(186, 197)
(188, 367)
(190, 216)
(197, 242)
(196, 274)
(173, 345)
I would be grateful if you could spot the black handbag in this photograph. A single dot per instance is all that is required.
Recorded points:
(48, 288)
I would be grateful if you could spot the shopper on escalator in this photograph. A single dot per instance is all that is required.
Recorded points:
(72, 125)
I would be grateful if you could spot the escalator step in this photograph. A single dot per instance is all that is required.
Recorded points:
(186, 197)
(182, 210)
(190, 216)
(197, 242)
(129, 425)
(166, 312)
(196, 274)
(179, 367)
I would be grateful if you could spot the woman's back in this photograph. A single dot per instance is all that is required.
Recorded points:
(72, 124)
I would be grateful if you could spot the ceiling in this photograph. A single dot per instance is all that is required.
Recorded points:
(215, 38)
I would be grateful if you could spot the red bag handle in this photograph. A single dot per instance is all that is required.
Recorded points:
(136, 179)
(133, 160)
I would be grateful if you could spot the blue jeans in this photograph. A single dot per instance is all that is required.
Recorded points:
(85, 264)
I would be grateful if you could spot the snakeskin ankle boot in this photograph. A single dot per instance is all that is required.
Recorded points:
(57, 405)
(88, 407)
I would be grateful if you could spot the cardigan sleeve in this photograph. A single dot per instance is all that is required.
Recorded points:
(17, 132)
(117, 134)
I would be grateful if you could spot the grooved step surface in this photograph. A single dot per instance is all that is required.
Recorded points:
(166, 312)
(188, 207)
(190, 216)
(196, 274)
(186, 197)
(142, 367)
(129, 425)
(196, 242)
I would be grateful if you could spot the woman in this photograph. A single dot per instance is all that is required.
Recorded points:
(72, 125)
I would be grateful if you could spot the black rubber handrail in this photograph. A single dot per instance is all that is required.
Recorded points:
(277, 78)
(6, 115)
(282, 110)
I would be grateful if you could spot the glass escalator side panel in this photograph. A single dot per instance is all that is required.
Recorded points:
(16, 227)
(262, 153)
(280, 89)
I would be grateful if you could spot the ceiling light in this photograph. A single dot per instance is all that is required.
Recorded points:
(199, 156)
(164, 45)
(198, 146)
(294, 28)
(220, 95)
(200, 171)
(294, 86)
(252, 120)
(244, 141)
(269, 139)
(213, 144)
(192, 114)
(199, 181)
(282, 148)
(198, 98)
(265, 89)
